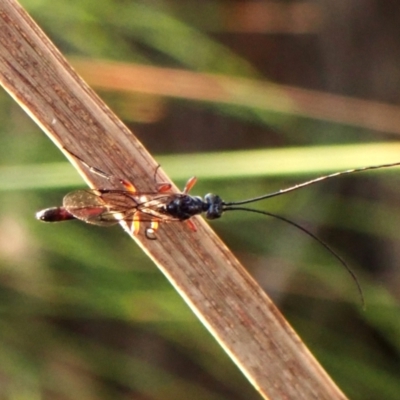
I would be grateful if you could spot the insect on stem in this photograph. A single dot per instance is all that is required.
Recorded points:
(126, 204)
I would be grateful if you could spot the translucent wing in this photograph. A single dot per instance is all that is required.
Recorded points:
(108, 207)
(100, 208)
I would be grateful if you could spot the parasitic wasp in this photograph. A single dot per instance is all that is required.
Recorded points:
(110, 206)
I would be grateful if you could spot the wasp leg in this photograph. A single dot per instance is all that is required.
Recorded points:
(128, 185)
(189, 185)
(134, 227)
(191, 225)
(163, 187)
(151, 232)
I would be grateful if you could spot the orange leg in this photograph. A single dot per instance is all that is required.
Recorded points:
(163, 187)
(128, 186)
(191, 225)
(151, 232)
(135, 227)
(154, 225)
(189, 184)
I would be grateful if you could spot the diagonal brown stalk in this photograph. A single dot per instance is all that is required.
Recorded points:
(213, 283)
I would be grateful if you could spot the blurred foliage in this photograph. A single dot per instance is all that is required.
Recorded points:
(84, 314)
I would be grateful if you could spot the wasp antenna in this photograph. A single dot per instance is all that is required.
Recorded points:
(316, 238)
(312, 182)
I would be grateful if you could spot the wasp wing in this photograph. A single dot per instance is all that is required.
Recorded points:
(108, 207)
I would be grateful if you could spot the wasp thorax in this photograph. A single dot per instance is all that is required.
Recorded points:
(184, 207)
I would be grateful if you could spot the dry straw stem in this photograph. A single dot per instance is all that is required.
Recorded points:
(213, 283)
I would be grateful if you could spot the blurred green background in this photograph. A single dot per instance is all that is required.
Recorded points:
(85, 315)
